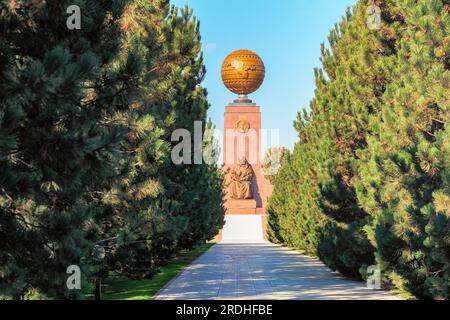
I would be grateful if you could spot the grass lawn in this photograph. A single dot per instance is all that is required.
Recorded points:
(117, 288)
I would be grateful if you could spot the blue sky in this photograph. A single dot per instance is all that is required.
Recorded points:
(286, 34)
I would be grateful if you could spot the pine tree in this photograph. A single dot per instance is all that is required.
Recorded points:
(349, 90)
(205, 202)
(54, 141)
(85, 135)
(293, 215)
(358, 69)
(404, 171)
(276, 206)
(369, 177)
(158, 207)
(201, 207)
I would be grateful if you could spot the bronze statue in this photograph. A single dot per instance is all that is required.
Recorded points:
(241, 177)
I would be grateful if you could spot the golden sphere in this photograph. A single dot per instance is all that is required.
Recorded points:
(243, 72)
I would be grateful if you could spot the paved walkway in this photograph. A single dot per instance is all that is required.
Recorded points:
(262, 271)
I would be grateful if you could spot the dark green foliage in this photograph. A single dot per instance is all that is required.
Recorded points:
(345, 247)
(169, 213)
(404, 171)
(322, 168)
(368, 180)
(52, 137)
(276, 207)
(293, 219)
(86, 118)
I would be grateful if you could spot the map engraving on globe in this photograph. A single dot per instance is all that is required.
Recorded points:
(243, 72)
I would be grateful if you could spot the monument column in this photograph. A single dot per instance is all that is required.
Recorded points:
(246, 189)
(242, 139)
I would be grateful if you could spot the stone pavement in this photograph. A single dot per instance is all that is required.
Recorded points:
(262, 271)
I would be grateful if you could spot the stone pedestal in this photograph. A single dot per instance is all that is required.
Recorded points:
(247, 206)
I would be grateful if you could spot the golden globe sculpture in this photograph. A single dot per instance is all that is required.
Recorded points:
(243, 72)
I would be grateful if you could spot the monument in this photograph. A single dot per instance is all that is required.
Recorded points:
(247, 190)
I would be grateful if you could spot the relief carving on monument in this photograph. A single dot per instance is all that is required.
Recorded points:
(241, 177)
(242, 126)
